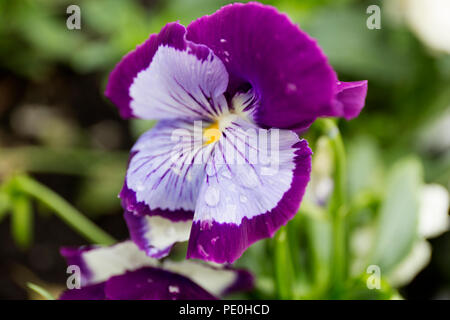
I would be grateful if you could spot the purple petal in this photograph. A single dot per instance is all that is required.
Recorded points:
(122, 264)
(263, 48)
(350, 99)
(168, 77)
(97, 264)
(241, 200)
(219, 281)
(154, 284)
(91, 292)
(156, 235)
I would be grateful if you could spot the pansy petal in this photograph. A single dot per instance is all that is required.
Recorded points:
(156, 235)
(103, 269)
(263, 48)
(165, 172)
(169, 77)
(98, 264)
(90, 292)
(217, 280)
(250, 190)
(350, 99)
(154, 284)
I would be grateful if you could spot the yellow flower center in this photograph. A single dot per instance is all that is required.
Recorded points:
(212, 133)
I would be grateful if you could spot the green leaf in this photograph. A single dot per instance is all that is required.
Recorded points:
(44, 293)
(283, 265)
(64, 210)
(398, 216)
(364, 166)
(22, 220)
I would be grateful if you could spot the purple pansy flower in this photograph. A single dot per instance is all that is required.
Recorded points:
(247, 74)
(124, 272)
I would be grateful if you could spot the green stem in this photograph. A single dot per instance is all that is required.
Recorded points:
(63, 209)
(283, 265)
(337, 205)
(44, 293)
(22, 220)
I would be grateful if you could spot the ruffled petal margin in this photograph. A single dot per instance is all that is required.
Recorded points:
(122, 271)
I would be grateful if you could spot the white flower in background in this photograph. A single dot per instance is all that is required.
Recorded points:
(433, 221)
(434, 136)
(409, 268)
(433, 214)
(428, 19)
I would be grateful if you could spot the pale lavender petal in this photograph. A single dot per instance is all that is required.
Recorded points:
(165, 171)
(168, 77)
(252, 187)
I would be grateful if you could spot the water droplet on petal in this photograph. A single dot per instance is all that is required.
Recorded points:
(202, 251)
(212, 196)
(174, 289)
(291, 88)
(250, 179)
(205, 225)
(214, 240)
(223, 40)
(226, 174)
(243, 198)
(211, 170)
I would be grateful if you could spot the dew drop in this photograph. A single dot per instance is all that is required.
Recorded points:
(269, 171)
(174, 289)
(243, 198)
(226, 174)
(250, 179)
(211, 170)
(202, 251)
(212, 196)
(206, 225)
(223, 40)
(291, 88)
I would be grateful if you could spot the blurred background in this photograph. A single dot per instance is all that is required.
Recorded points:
(57, 129)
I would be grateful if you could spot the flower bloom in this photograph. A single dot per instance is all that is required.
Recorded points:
(124, 272)
(222, 87)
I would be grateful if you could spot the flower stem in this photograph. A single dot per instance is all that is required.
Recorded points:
(283, 265)
(337, 205)
(63, 209)
(22, 221)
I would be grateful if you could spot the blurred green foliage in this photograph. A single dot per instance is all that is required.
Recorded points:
(392, 147)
